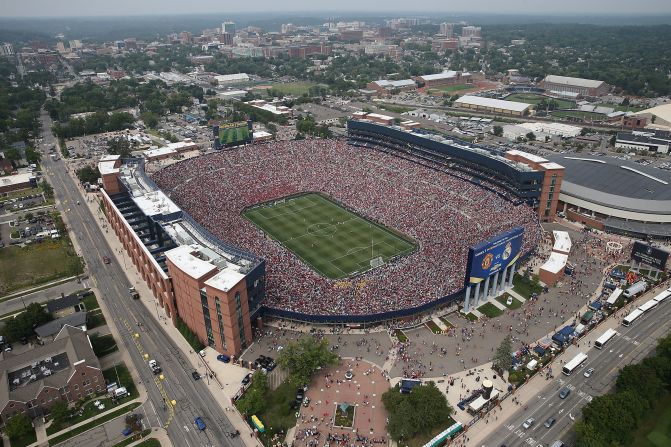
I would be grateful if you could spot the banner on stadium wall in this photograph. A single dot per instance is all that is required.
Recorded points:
(649, 255)
(491, 256)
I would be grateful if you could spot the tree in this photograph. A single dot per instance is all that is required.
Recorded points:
(584, 131)
(18, 426)
(588, 436)
(254, 400)
(59, 412)
(304, 357)
(418, 412)
(502, 360)
(150, 119)
(24, 323)
(531, 136)
(47, 189)
(497, 131)
(12, 154)
(119, 146)
(89, 174)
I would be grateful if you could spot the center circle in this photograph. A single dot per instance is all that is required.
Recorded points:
(322, 229)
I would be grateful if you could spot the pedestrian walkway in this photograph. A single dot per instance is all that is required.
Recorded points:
(477, 313)
(498, 304)
(516, 295)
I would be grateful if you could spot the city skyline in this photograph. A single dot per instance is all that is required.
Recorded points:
(82, 8)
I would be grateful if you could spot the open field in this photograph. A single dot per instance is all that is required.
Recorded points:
(294, 88)
(451, 88)
(335, 242)
(530, 98)
(36, 264)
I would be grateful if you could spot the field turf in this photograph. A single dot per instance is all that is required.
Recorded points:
(232, 135)
(530, 98)
(332, 240)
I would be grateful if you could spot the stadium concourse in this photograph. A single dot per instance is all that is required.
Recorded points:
(444, 214)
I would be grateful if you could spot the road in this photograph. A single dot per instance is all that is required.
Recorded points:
(41, 296)
(632, 345)
(192, 397)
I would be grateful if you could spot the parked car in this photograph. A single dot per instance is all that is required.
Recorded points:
(588, 372)
(528, 423)
(195, 375)
(200, 423)
(564, 392)
(300, 395)
(550, 422)
(127, 431)
(247, 379)
(223, 358)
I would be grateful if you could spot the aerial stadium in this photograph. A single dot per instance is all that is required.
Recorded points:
(347, 230)
(391, 222)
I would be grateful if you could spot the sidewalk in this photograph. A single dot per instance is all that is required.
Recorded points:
(148, 300)
(524, 395)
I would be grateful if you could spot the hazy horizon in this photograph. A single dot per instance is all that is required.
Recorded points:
(123, 8)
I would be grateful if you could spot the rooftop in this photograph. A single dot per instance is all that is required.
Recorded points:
(225, 280)
(188, 259)
(567, 80)
(493, 103)
(555, 263)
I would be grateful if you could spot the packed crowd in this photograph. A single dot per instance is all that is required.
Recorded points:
(444, 214)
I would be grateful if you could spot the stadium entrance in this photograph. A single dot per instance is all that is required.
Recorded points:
(493, 263)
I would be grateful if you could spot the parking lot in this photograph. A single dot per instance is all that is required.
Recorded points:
(27, 228)
(29, 201)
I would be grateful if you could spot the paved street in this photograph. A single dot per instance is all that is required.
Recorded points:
(193, 398)
(630, 346)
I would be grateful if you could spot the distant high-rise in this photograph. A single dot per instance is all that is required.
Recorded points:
(228, 27)
(471, 31)
(447, 29)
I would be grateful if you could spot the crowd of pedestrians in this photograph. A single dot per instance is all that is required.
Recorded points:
(443, 213)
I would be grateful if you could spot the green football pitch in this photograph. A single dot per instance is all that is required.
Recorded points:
(332, 240)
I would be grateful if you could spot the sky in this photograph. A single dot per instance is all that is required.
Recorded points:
(87, 8)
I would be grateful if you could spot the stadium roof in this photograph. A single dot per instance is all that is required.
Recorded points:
(384, 83)
(567, 80)
(444, 75)
(616, 183)
(493, 103)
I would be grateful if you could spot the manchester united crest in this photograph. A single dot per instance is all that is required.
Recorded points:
(487, 261)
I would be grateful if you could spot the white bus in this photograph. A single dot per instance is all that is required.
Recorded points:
(631, 317)
(601, 341)
(648, 305)
(662, 296)
(578, 360)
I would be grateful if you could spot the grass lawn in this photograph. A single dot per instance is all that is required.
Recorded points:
(24, 440)
(655, 431)
(294, 88)
(151, 442)
(447, 322)
(233, 135)
(401, 336)
(122, 377)
(103, 345)
(530, 98)
(335, 242)
(471, 317)
(95, 319)
(91, 302)
(525, 287)
(278, 415)
(504, 298)
(433, 327)
(19, 194)
(85, 427)
(22, 267)
(345, 419)
(490, 310)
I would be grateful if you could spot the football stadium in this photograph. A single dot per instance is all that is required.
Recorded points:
(354, 230)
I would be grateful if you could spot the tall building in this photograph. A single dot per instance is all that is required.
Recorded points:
(226, 38)
(471, 31)
(6, 49)
(228, 27)
(447, 29)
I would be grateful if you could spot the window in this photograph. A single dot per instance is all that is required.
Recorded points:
(220, 321)
(241, 325)
(206, 317)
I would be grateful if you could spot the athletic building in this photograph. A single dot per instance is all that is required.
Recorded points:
(384, 86)
(574, 86)
(215, 288)
(616, 195)
(450, 77)
(499, 106)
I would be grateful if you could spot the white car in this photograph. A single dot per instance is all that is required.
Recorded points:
(528, 423)
(588, 372)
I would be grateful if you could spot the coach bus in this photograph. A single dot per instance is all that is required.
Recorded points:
(648, 305)
(601, 341)
(662, 296)
(629, 319)
(571, 366)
